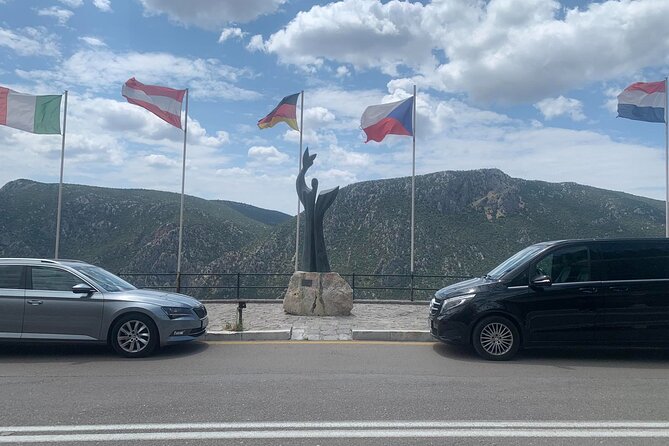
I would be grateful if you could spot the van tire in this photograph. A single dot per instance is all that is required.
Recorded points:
(496, 338)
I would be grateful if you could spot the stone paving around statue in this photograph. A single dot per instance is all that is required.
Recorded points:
(270, 316)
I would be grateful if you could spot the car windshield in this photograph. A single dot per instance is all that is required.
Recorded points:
(512, 262)
(103, 278)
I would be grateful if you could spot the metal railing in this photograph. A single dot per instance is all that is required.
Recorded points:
(249, 286)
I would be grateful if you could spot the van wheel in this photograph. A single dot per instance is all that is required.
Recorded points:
(134, 336)
(496, 339)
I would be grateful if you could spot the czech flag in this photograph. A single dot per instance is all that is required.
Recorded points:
(643, 101)
(394, 118)
(284, 112)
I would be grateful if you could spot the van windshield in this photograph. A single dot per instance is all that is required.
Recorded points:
(515, 260)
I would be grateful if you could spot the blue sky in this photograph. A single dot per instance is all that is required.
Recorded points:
(526, 86)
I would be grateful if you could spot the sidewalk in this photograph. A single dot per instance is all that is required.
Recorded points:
(372, 322)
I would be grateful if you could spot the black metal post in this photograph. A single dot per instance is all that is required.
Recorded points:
(412, 286)
(178, 282)
(238, 281)
(353, 284)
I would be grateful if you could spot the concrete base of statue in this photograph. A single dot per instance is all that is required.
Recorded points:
(318, 294)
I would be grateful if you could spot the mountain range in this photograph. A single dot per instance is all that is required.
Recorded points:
(466, 223)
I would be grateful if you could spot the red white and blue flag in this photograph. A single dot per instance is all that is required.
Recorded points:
(394, 118)
(643, 101)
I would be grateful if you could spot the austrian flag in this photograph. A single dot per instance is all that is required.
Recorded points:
(161, 101)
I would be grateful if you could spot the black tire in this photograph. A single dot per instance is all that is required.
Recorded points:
(134, 336)
(496, 338)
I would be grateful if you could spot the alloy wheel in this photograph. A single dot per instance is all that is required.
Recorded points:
(496, 339)
(133, 336)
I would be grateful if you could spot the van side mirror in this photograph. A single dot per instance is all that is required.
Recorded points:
(541, 281)
(83, 288)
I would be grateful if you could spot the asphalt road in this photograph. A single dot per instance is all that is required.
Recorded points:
(315, 393)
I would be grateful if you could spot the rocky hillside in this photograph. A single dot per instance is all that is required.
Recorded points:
(125, 229)
(466, 223)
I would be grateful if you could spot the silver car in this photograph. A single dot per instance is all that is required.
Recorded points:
(68, 300)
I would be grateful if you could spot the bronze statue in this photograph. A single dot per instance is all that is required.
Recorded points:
(314, 255)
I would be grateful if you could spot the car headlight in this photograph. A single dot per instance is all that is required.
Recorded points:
(456, 301)
(176, 312)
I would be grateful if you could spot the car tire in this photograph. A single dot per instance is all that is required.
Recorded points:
(134, 336)
(496, 338)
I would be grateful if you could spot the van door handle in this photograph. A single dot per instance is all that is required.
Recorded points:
(35, 302)
(619, 289)
(588, 290)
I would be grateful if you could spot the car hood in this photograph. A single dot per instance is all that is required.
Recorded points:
(156, 297)
(467, 287)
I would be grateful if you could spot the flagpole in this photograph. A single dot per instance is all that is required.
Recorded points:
(299, 164)
(60, 184)
(413, 181)
(181, 211)
(666, 157)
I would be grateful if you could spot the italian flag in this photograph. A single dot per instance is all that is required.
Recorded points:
(34, 114)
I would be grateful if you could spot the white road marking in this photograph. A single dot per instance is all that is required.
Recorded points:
(343, 424)
(336, 429)
(359, 433)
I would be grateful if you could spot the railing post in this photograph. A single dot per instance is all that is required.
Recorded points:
(353, 284)
(412, 285)
(238, 282)
(178, 282)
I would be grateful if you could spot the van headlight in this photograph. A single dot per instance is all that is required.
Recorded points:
(456, 301)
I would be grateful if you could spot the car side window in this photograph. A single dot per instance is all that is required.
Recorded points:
(53, 279)
(10, 277)
(564, 265)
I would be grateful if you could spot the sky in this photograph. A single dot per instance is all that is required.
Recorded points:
(525, 86)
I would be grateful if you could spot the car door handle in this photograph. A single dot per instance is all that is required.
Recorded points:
(35, 302)
(588, 290)
(619, 289)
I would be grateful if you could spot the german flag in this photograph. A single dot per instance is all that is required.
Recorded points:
(284, 112)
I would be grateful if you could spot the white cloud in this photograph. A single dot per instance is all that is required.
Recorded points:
(160, 161)
(498, 50)
(256, 44)
(93, 41)
(103, 5)
(103, 70)
(343, 71)
(72, 3)
(30, 41)
(211, 14)
(262, 155)
(391, 33)
(231, 32)
(60, 14)
(554, 107)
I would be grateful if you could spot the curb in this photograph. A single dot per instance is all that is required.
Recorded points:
(392, 335)
(250, 335)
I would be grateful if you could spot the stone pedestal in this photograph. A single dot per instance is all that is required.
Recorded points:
(318, 294)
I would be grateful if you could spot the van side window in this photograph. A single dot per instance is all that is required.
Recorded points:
(10, 277)
(521, 279)
(569, 264)
(633, 261)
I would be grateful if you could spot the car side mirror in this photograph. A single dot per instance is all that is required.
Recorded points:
(83, 288)
(541, 281)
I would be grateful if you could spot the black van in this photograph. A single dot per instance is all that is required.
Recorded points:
(571, 292)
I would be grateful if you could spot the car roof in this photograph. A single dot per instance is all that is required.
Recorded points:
(35, 261)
